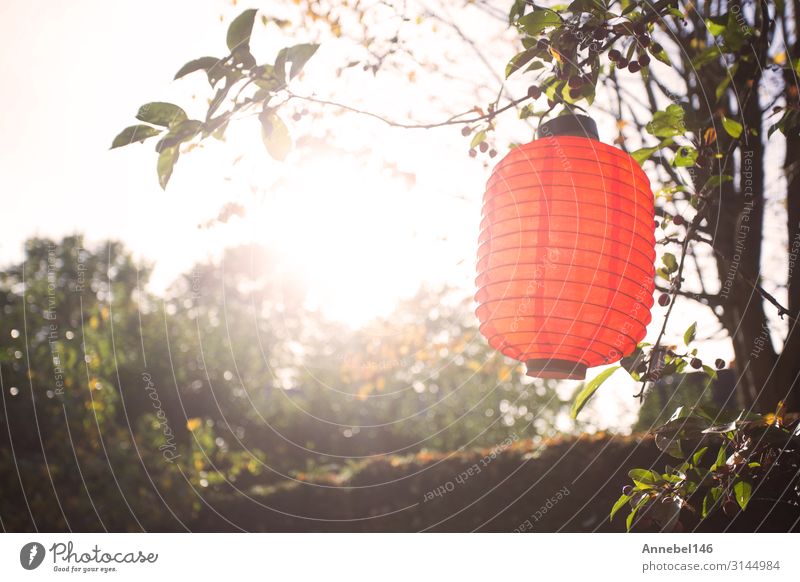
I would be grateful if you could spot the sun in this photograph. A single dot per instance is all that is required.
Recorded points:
(352, 230)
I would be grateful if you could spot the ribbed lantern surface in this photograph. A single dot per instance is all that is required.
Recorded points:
(566, 250)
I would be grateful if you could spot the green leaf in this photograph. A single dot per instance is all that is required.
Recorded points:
(184, 131)
(698, 456)
(621, 502)
(644, 478)
(535, 66)
(710, 372)
(166, 162)
(667, 123)
(479, 137)
(519, 60)
(629, 521)
(211, 65)
(732, 127)
(517, 10)
(716, 181)
(718, 92)
(722, 457)
(134, 133)
(736, 33)
(708, 55)
(275, 135)
(643, 154)
(689, 334)
(742, 490)
(710, 500)
(680, 435)
(159, 113)
(541, 18)
(589, 389)
(240, 30)
(297, 55)
(685, 157)
(662, 56)
(670, 262)
(716, 24)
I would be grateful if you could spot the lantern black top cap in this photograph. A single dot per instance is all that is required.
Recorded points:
(576, 125)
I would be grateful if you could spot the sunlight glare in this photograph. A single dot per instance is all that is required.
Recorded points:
(349, 230)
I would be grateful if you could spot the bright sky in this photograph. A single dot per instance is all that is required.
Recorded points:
(363, 234)
(77, 76)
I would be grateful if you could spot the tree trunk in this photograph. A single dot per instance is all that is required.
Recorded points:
(789, 365)
(737, 228)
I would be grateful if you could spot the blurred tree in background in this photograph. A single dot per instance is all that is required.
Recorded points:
(122, 409)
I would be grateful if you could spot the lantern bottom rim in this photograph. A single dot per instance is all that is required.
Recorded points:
(555, 369)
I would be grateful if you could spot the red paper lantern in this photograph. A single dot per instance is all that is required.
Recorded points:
(566, 250)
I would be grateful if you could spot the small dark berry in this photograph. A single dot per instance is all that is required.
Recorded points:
(644, 41)
(600, 33)
(575, 93)
(627, 490)
(678, 220)
(473, 153)
(663, 300)
(622, 64)
(542, 44)
(719, 363)
(614, 55)
(575, 81)
(644, 60)
(730, 508)
(534, 92)
(696, 363)
(634, 66)
(483, 147)
(639, 28)
(492, 153)
(656, 223)
(465, 131)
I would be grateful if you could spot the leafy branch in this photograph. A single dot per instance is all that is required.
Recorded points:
(241, 85)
